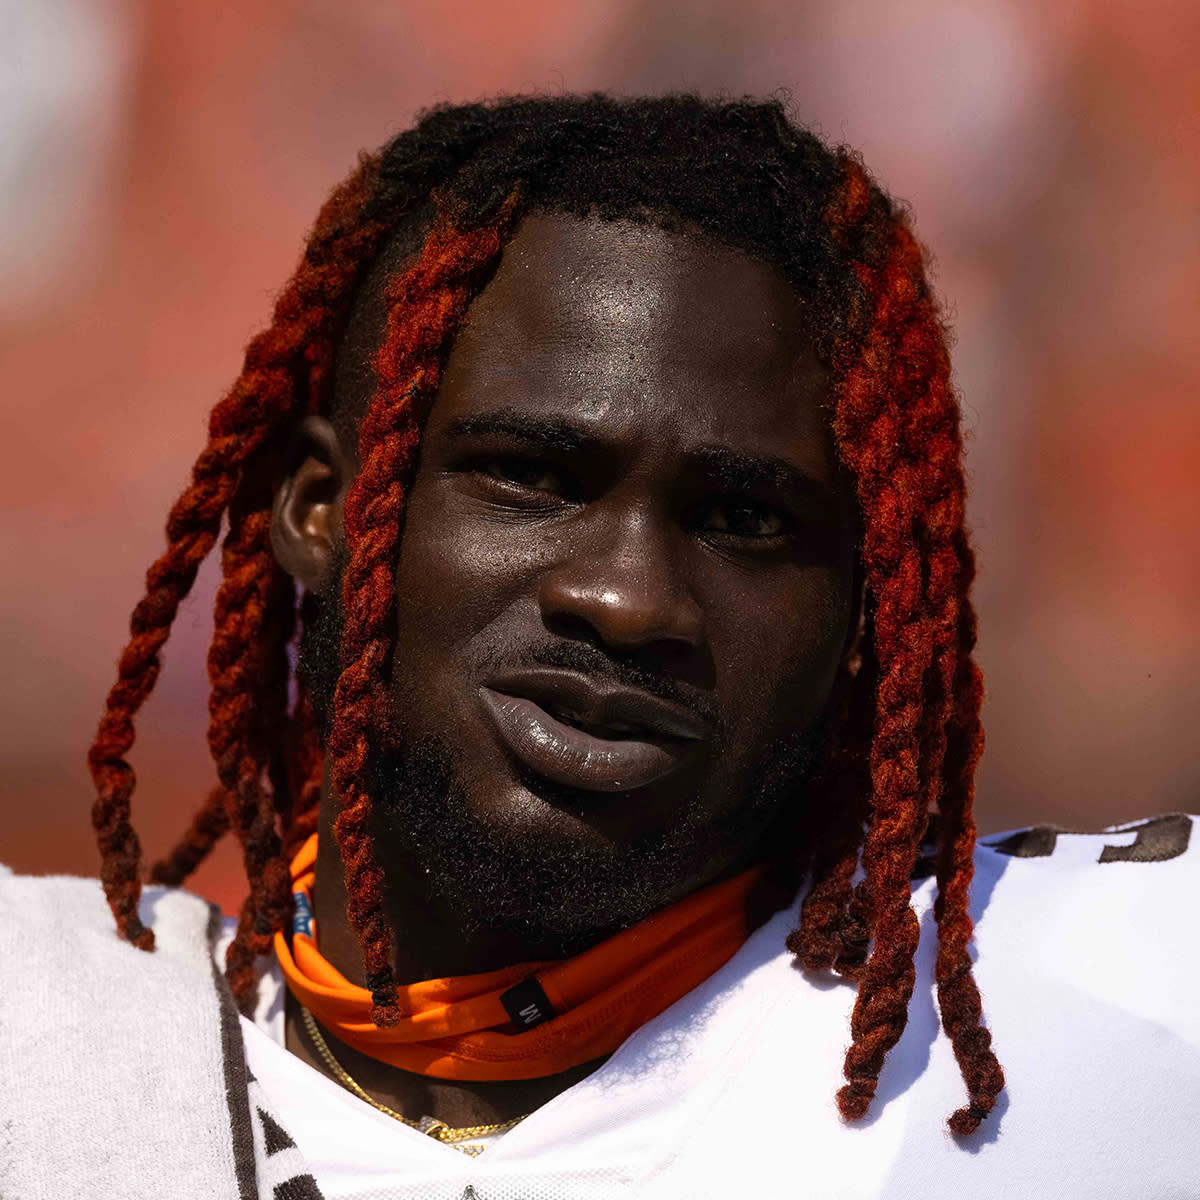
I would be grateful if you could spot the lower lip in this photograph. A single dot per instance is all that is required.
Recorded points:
(570, 756)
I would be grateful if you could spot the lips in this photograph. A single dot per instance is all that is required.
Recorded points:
(577, 731)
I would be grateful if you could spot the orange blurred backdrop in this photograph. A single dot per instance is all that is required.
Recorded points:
(162, 161)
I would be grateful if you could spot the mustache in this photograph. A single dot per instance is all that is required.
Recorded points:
(625, 672)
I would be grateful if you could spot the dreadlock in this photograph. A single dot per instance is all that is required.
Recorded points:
(450, 192)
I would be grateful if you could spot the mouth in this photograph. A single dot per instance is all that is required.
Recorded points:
(572, 730)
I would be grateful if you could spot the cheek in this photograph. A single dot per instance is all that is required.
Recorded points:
(455, 575)
(777, 659)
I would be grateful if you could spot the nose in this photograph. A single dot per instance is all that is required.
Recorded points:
(623, 580)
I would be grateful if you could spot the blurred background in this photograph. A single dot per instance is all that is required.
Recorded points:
(161, 161)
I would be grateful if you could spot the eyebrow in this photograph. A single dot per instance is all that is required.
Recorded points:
(742, 472)
(732, 469)
(553, 433)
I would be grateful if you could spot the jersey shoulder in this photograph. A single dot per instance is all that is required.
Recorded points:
(1105, 917)
(1158, 839)
(1141, 877)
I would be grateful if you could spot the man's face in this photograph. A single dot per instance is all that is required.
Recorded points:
(624, 584)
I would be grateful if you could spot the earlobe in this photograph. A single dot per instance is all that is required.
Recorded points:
(306, 518)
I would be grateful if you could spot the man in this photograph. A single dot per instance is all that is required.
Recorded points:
(613, 450)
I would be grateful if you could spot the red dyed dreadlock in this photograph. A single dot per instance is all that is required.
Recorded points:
(257, 408)
(425, 306)
(909, 734)
(897, 427)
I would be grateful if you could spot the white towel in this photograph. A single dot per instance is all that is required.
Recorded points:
(122, 1073)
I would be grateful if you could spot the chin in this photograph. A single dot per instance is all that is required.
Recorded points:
(509, 850)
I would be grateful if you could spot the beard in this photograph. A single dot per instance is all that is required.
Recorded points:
(565, 892)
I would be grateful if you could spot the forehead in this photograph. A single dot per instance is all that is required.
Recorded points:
(635, 329)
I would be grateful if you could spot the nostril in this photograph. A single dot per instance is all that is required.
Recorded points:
(573, 627)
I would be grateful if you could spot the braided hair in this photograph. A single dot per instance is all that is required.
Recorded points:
(449, 192)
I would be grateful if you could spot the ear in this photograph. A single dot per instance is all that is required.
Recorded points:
(306, 518)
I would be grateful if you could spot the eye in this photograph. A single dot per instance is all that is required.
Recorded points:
(743, 518)
(529, 473)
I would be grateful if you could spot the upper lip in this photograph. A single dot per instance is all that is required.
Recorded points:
(600, 707)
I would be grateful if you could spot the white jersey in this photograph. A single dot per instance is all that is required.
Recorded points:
(1085, 958)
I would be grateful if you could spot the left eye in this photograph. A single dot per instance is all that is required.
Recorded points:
(744, 519)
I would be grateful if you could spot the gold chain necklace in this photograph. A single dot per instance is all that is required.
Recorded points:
(430, 1126)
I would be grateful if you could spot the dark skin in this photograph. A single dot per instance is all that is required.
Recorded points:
(630, 452)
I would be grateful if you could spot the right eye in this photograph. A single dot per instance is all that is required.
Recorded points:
(529, 473)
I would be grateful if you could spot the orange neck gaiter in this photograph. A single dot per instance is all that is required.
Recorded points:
(533, 1019)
